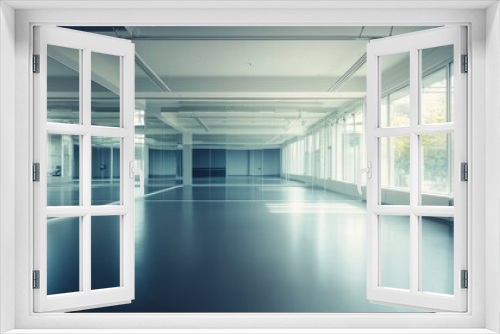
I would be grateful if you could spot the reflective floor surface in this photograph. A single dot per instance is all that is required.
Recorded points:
(273, 247)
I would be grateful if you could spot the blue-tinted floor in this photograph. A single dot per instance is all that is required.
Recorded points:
(282, 247)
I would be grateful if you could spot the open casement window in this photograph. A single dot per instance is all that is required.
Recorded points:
(93, 110)
(416, 144)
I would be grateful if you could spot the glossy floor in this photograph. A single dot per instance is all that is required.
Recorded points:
(271, 246)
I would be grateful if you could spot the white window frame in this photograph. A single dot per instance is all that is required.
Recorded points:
(476, 317)
(413, 44)
(85, 44)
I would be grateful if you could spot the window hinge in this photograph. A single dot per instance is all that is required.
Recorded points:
(464, 170)
(36, 279)
(36, 172)
(465, 64)
(36, 63)
(465, 279)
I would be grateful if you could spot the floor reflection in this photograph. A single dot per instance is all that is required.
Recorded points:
(255, 248)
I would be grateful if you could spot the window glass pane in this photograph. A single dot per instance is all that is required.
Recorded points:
(384, 112)
(360, 128)
(307, 156)
(395, 73)
(105, 88)
(340, 149)
(321, 147)
(437, 254)
(63, 85)
(351, 148)
(434, 92)
(333, 150)
(434, 98)
(395, 252)
(105, 249)
(437, 171)
(159, 153)
(395, 170)
(63, 170)
(63, 255)
(105, 170)
(399, 107)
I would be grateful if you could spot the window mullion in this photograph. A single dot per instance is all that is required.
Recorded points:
(415, 69)
(449, 97)
(86, 167)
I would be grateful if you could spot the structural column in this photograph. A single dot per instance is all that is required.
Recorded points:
(187, 158)
(111, 167)
(145, 159)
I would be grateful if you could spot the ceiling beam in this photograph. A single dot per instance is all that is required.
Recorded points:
(151, 74)
(229, 132)
(170, 122)
(222, 96)
(254, 38)
(149, 130)
(202, 124)
(240, 132)
(141, 63)
(75, 96)
(348, 74)
(244, 115)
(272, 139)
(109, 80)
(237, 96)
(102, 72)
(222, 143)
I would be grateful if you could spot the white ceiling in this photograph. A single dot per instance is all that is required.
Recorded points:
(272, 59)
(250, 58)
(234, 60)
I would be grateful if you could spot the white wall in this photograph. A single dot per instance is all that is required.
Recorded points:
(7, 168)
(237, 163)
(163, 162)
(272, 162)
(264, 162)
(492, 165)
(255, 163)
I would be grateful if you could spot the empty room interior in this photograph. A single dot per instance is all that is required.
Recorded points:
(250, 139)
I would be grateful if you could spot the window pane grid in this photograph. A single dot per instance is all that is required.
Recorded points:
(67, 124)
(431, 164)
(419, 266)
(418, 132)
(430, 126)
(429, 159)
(341, 134)
(85, 132)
